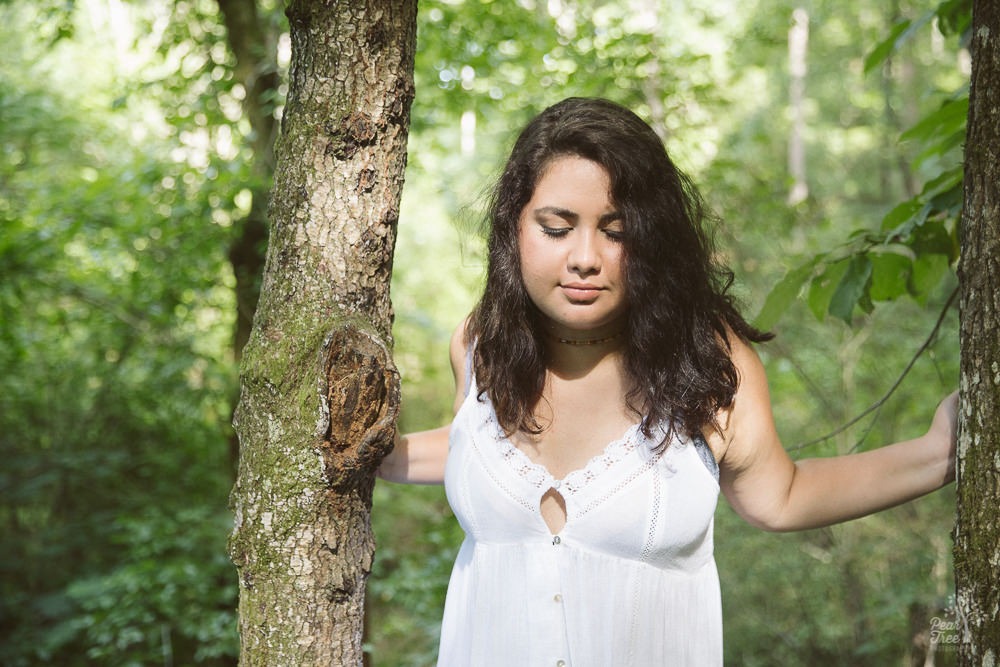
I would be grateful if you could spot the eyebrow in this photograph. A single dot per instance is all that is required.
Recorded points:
(572, 216)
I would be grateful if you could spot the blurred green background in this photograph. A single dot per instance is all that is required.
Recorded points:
(126, 167)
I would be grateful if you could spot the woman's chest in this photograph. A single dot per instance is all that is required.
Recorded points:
(625, 503)
(578, 421)
(572, 438)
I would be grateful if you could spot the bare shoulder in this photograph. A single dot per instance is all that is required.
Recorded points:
(748, 419)
(459, 345)
(458, 351)
(749, 368)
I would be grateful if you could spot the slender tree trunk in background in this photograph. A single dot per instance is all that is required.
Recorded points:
(798, 44)
(253, 46)
(652, 80)
(977, 528)
(896, 77)
(319, 390)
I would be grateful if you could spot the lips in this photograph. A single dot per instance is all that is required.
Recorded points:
(580, 291)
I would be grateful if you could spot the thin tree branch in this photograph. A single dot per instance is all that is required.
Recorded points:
(877, 405)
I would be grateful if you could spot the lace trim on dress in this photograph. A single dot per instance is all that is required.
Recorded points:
(536, 475)
(614, 452)
(501, 484)
(540, 478)
(533, 473)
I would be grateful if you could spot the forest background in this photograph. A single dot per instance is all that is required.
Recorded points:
(813, 128)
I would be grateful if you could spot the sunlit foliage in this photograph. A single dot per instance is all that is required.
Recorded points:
(117, 372)
(124, 165)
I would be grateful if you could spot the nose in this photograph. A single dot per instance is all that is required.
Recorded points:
(585, 253)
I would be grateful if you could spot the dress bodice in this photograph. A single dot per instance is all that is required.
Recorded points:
(629, 579)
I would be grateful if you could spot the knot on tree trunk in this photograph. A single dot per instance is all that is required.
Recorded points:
(361, 402)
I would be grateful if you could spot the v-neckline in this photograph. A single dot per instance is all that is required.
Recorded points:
(574, 481)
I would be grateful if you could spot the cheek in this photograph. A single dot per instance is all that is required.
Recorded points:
(616, 263)
(523, 257)
(523, 249)
(534, 259)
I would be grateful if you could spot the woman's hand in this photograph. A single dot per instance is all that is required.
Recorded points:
(944, 431)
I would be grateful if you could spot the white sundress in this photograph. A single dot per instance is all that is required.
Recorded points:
(629, 580)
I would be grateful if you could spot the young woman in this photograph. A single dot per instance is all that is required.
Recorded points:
(607, 389)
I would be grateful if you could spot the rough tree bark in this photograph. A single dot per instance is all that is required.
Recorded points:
(319, 392)
(977, 528)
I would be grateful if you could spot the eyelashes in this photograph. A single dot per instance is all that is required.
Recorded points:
(561, 232)
(555, 232)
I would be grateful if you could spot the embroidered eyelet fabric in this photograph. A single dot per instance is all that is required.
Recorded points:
(630, 579)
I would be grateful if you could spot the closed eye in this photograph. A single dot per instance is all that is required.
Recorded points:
(555, 232)
(612, 226)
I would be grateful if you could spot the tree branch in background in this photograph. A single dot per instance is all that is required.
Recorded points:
(877, 405)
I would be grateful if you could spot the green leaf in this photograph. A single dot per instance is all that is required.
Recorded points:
(950, 201)
(946, 121)
(928, 270)
(940, 146)
(886, 47)
(954, 16)
(865, 302)
(944, 182)
(933, 238)
(901, 215)
(901, 32)
(890, 275)
(851, 288)
(783, 294)
(824, 285)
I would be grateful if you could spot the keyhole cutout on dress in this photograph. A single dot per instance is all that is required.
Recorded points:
(553, 510)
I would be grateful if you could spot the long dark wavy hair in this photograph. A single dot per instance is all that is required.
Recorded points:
(676, 354)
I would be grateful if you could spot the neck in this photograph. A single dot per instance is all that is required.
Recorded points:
(570, 356)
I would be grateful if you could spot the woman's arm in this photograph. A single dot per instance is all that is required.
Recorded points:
(773, 492)
(419, 458)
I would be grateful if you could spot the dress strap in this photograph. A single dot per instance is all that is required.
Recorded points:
(707, 456)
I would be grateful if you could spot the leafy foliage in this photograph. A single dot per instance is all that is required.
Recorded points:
(917, 242)
(124, 166)
(117, 375)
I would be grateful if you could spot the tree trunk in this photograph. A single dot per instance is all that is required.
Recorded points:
(977, 529)
(798, 44)
(319, 392)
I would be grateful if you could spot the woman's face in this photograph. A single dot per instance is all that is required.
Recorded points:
(570, 240)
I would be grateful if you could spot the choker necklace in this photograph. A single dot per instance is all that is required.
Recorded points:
(589, 341)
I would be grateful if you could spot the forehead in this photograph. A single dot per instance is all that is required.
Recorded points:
(573, 177)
